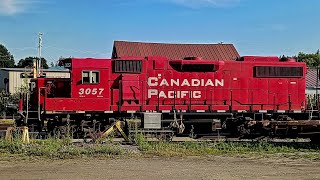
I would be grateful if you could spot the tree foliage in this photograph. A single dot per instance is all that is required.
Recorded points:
(28, 62)
(312, 60)
(6, 58)
(54, 64)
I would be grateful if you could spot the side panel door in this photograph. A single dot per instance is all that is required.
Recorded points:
(130, 89)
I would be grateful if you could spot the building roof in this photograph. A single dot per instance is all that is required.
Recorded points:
(312, 78)
(175, 51)
(28, 69)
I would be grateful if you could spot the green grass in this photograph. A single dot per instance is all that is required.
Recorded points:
(58, 149)
(247, 149)
(63, 149)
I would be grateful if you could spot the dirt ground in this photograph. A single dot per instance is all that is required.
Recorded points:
(163, 168)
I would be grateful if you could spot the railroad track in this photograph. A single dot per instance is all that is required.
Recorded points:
(8, 121)
(187, 139)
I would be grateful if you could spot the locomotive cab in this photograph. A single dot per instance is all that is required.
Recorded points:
(43, 88)
(51, 87)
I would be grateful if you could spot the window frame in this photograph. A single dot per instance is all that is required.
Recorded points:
(90, 76)
(82, 81)
(97, 77)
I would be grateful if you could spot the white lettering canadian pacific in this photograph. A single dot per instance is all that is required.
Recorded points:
(158, 82)
(154, 81)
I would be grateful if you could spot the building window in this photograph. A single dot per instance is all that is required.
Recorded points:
(90, 77)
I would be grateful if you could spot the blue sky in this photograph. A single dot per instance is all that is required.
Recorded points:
(83, 28)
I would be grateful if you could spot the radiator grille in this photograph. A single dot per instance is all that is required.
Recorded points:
(276, 71)
(127, 66)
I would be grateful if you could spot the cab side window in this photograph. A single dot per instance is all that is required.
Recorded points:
(85, 77)
(90, 77)
(95, 77)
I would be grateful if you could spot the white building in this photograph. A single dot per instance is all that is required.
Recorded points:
(11, 79)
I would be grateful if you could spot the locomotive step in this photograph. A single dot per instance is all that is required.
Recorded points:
(32, 118)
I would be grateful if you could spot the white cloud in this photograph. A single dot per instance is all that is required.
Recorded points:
(13, 7)
(204, 3)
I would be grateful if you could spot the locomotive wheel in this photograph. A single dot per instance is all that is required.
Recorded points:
(243, 131)
(315, 139)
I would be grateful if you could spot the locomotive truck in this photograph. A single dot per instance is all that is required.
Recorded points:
(252, 96)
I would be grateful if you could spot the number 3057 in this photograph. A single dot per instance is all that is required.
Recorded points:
(93, 91)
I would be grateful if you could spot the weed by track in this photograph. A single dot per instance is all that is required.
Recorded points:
(63, 149)
(58, 149)
(241, 149)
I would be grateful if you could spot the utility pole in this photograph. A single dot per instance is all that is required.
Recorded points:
(39, 48)
(318, 56)
(317, 84)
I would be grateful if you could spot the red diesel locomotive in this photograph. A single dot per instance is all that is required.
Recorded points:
(250, 95)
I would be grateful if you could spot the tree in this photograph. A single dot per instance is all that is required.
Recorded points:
(53, 64)
(312, 60)
(6, 58)
(28, 62)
